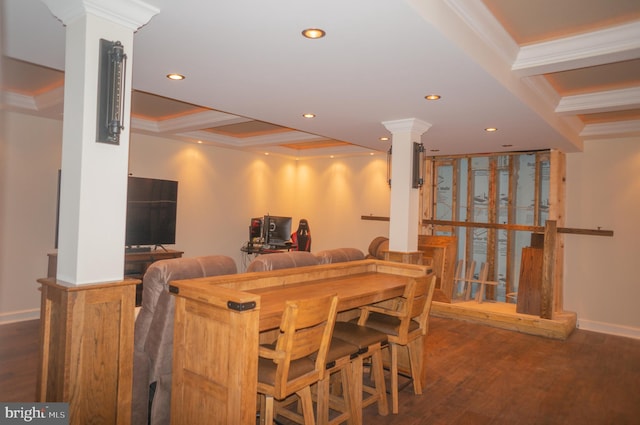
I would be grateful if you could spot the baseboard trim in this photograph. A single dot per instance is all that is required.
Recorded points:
(19, 316)
(609, 328)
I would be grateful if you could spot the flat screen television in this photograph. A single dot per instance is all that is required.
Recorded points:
(151, 212)
(277, 230)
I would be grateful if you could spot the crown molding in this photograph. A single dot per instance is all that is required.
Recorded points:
(541, 87)
(205, 119)
(629, 128)
(142, 124)
(604, 101)
(38, 103)
(131, 14)
(21, 101)
(481, 21)
(266, 140)
(613, 44)
(334, 152)
(50, 98)
(199, 120)
(209, 137)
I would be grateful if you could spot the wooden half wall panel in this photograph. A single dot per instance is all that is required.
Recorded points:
(215, 354)
(86, 354)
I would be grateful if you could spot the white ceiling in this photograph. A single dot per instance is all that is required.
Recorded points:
(546, 73)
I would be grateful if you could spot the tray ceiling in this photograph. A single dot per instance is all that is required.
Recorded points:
(547, 74)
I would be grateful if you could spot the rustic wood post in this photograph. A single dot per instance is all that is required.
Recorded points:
(548, 264)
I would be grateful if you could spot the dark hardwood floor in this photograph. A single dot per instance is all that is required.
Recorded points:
(19, 351)
(477, 375)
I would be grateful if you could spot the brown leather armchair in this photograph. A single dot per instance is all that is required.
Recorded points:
(153, 336)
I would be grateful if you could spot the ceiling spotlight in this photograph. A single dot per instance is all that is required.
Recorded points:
(176, 77)
(309, 115)
(313, 33)
(384, 139)
(432, 97)
(490, 129)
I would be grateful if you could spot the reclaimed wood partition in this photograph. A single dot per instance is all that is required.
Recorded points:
(442, 252)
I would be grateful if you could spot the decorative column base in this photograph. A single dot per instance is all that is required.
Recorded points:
(86, 343)
(404, 257)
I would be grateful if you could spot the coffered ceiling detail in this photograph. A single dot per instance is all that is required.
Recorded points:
(547, 73)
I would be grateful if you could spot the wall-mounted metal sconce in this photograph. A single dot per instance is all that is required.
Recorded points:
(417, 176)
(418, 165)
(389, 166)
(111, 86)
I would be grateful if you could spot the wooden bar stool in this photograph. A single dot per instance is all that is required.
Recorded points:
(286, 367)
(406, 323)
(338, 362)
(370, 343)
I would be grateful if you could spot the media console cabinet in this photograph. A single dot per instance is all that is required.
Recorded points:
(218, 321)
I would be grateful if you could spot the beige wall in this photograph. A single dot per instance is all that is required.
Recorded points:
(220, 189)
(602, 283)
(28, 202)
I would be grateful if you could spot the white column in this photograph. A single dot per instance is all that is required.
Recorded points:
(94, 175)
(405, 200)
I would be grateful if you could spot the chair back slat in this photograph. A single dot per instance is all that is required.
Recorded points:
(305, 329)
(423, 319)
(417, 298)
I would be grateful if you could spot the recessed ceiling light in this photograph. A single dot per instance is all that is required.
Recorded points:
(175, 77)
(507, 146)
(432, 97)
(490, 129)
(309, 115)
(434, 150)
(384, 139)
(313, 33)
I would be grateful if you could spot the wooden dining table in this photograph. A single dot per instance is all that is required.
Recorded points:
(218, 321)
(352, 291)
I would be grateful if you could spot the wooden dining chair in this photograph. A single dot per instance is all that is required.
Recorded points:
(328, 398)
(405, 321)
(298, 357)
